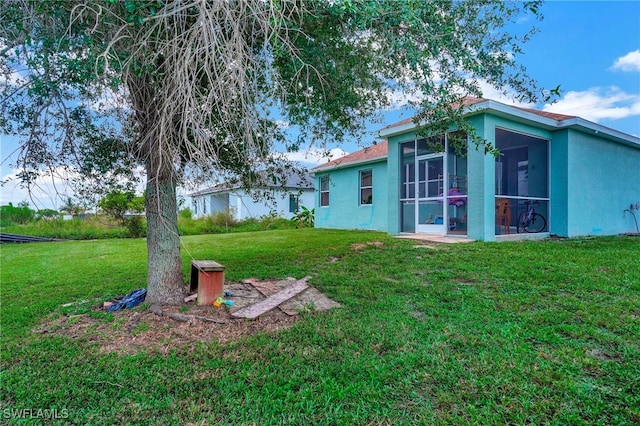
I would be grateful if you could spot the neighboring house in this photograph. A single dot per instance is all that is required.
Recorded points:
(283, 200)
(580, 175)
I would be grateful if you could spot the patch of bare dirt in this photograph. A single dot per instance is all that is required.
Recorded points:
(361, 246)
(130, 331)
(427, 246)
(156, 329)
(602, 355)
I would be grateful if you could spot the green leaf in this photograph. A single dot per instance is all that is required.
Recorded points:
(130, 6)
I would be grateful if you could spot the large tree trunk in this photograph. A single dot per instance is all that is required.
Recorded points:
(164, 284)
(164, 279)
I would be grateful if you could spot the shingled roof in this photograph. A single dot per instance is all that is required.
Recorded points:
(471, 100)
(466, 102)
(379, 151)
(371, 153)
(291, 181)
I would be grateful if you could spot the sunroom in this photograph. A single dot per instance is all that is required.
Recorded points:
(554, 175)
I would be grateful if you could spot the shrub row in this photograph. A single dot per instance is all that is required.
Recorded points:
(103, 227)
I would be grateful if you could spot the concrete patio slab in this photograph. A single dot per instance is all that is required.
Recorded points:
(435, 238)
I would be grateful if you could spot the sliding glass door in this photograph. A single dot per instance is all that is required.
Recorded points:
(430, 213)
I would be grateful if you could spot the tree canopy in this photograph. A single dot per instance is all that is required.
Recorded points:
(190, 89)
(118, 203)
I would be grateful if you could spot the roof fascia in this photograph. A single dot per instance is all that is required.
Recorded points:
(209, 191)
(586, 126)
(237, 189)
(575, 123)
(348, 164)
(397, 130)
(514, 113)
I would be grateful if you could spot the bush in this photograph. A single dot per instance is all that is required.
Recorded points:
(103, 226)
(273, 221)
(186, 213)
(249, 225)
(11, 214)
(281, 223)
(222, 219)
(136, 227)
(95, 227)
(304, 218)
(47, 214)
(117, 204)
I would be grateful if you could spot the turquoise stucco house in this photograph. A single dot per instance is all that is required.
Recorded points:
(581, 177)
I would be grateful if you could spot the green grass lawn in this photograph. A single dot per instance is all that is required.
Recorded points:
(543, 332)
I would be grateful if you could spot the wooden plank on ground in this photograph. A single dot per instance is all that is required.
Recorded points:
(266, 288)
(273, 301)
(269, 288)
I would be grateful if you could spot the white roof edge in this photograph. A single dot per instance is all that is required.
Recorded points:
(235, 189)
(596, 128)
(347, 164)
(512, 111)
(386, 132)
(550, 123)
(573, 122)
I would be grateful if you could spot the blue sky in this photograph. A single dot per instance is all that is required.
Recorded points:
(590, 48)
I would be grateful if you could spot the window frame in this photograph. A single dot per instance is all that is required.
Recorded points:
(324, 191)
(365, 200)
(294, 203)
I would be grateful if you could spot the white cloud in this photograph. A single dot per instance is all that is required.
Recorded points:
(109, 100)
(629, 62)
(283, 124)
(12, 78)
(597, 104)
(490, 92)
(401, 99)
(314, 157)
(49, 191)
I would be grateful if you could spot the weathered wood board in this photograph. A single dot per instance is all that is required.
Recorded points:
(273, 301)
(267, 288)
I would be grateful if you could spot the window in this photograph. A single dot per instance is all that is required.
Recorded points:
(408, 170)
(293, 203)
(366, 187)
(324, 191)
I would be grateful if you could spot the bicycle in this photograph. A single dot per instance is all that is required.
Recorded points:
(529, 220)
